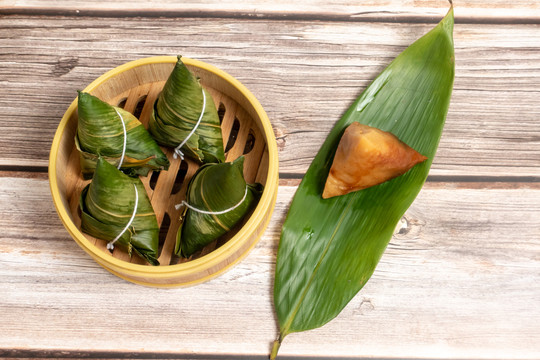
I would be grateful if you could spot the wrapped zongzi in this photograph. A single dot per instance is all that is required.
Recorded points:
(115, 134)
(116, 208)
(185, 118)
(217, 198)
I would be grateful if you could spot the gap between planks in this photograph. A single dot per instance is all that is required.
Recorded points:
(286, 179)
(69, 354)
(412, 15)
(492, 183)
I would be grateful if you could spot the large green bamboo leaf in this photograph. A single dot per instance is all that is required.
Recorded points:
(329, 248)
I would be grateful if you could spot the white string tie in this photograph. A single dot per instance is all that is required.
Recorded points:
(110, 245)
(184, 203)
(125, 140)
(177, 151)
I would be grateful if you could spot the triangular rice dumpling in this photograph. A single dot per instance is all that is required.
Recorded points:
(367, 156)
(217, 198)
(108, 210)
(176, 119)
(100, 132)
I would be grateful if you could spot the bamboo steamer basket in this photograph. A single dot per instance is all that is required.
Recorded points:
(246, 131)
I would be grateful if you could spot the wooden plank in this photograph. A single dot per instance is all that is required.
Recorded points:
(457, 281)
(388, 10)
(305, 74)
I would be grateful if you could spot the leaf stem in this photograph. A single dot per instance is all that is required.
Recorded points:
(276, 346)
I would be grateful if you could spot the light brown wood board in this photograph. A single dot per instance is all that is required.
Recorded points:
(305, 74)
(455, 282)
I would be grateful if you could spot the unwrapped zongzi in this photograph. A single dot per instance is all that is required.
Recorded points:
(367, 156)
(217, 198)
(116, 208)
(185, 118)
(115, 134)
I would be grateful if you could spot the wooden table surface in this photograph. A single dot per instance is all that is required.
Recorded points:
(460, 281)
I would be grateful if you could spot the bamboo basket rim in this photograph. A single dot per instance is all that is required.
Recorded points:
(267, 200)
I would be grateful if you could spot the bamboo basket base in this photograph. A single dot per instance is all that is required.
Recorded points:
(242, 135)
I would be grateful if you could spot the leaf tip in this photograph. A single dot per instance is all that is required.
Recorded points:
(447, 22)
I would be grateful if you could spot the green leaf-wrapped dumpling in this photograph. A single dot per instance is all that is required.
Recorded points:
(116, 208)
(185, 118)
(115, 134)
(217, 198)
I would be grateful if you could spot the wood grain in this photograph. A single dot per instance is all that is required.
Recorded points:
(455, 282)
(459, 278)
(305, 74)
(373, 10)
